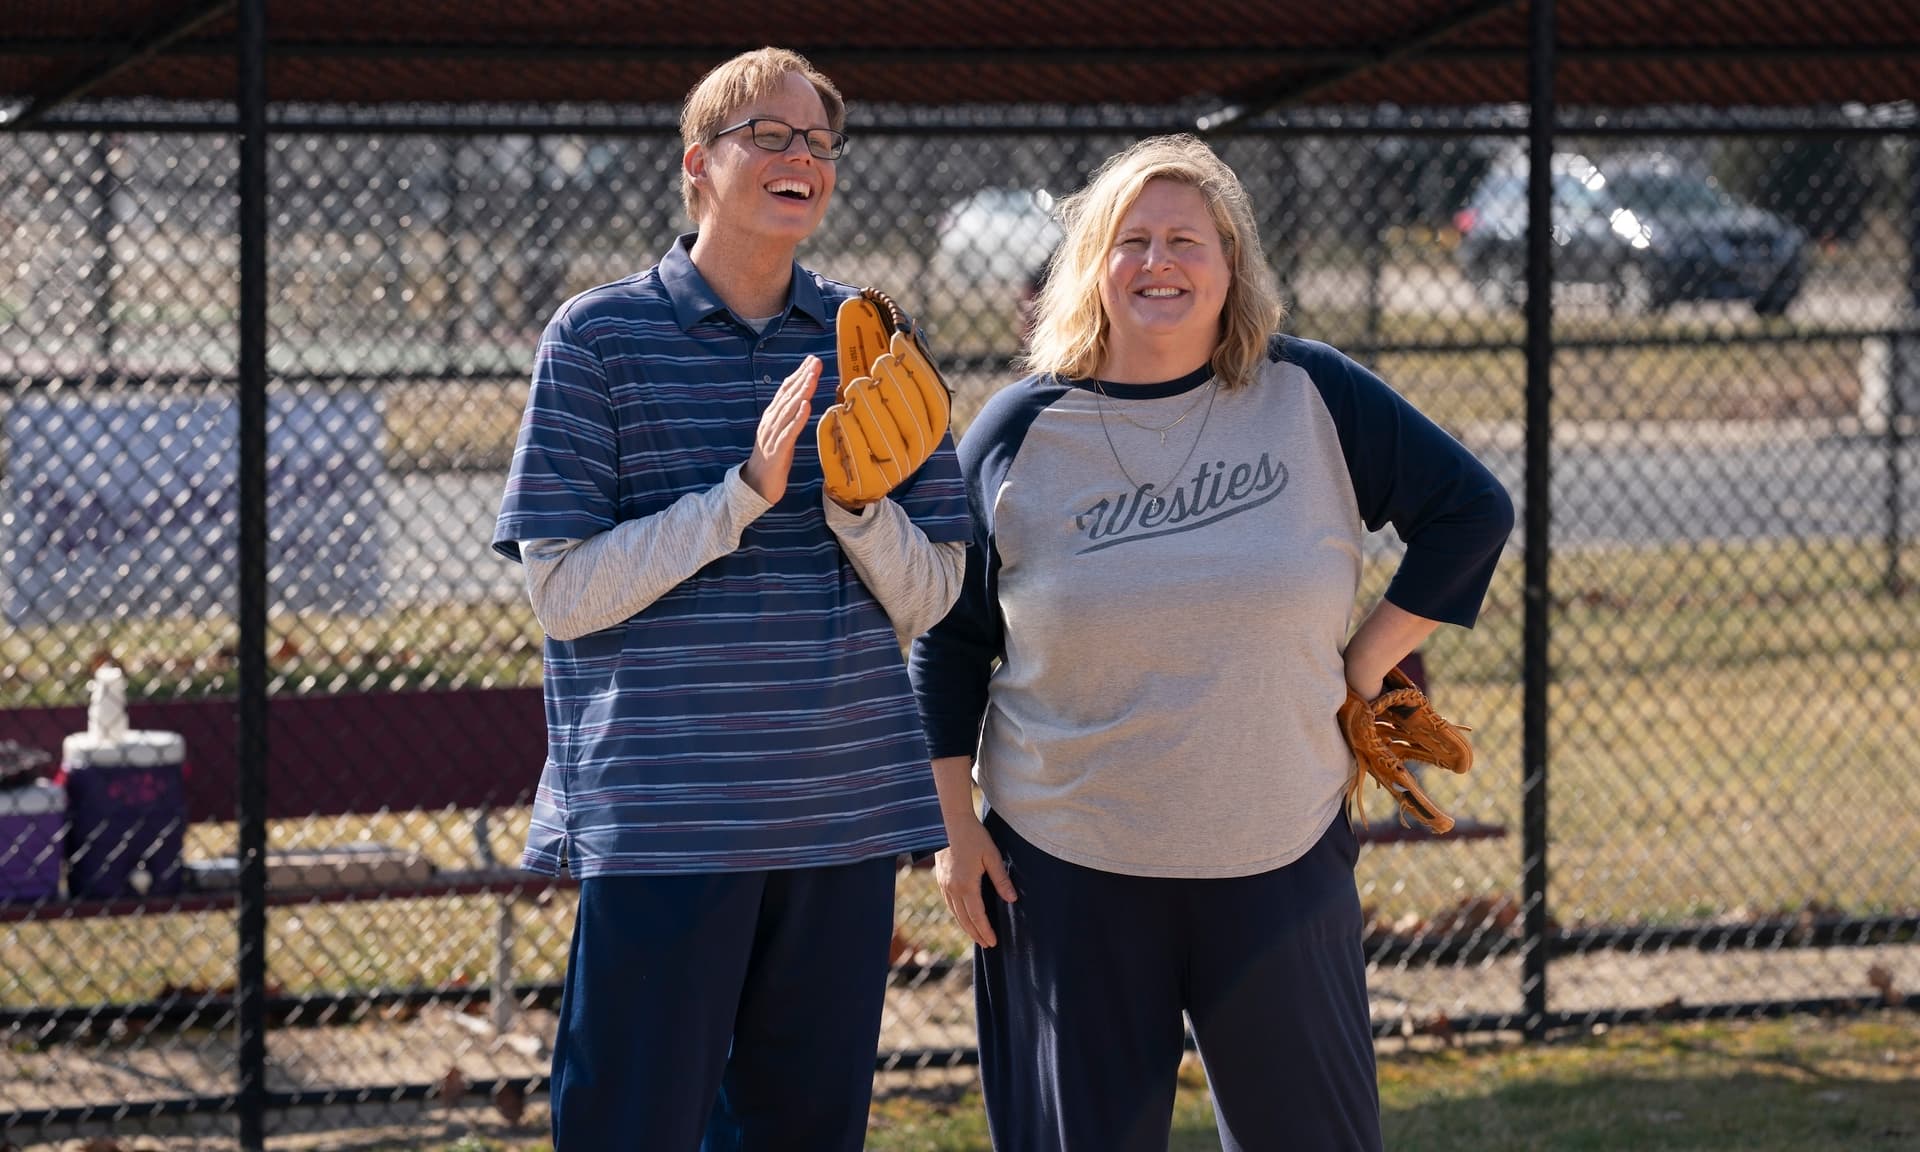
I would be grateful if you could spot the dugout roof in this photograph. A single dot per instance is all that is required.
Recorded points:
(1253, 53)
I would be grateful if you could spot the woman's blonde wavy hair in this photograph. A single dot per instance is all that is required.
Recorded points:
(1071, 322)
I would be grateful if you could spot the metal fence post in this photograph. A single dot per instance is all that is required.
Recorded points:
(1902, 352)
(251, 978)
(105, 192)
(1533, 738)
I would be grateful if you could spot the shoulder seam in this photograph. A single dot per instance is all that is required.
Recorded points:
(647, 281)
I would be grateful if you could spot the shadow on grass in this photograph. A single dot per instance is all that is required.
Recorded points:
(1743, 1112)
(1537, 1107)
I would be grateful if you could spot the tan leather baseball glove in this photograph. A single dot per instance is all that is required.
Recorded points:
(1392, 728)
(890, 410)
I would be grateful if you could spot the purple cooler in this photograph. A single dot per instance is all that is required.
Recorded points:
(33, 821)
(127, 814)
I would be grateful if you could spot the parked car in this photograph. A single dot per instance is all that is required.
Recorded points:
(987, 245)
(1650, 229)
(995, 234)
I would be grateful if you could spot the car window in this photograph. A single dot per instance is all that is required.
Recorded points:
(1582, 197)
(1509, 194)
(1671, 194)
(996, 233)
(1501, 192)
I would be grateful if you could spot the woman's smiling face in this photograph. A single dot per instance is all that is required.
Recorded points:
(1166, 273)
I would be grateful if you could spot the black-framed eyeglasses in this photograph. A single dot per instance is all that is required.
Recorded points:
(777, 135)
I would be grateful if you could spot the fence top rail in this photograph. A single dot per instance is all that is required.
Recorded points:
(1485, 121)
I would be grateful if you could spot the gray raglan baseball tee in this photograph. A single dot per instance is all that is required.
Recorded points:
(1146, 655)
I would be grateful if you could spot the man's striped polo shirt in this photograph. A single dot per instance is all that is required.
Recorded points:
(758, 715)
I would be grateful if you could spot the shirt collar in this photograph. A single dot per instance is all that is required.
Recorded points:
(694, 301)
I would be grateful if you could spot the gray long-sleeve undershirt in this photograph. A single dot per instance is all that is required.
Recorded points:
(581, 586)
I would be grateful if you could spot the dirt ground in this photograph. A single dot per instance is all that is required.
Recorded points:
(426, 1046)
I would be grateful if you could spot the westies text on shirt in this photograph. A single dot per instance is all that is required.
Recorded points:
(1214, 493)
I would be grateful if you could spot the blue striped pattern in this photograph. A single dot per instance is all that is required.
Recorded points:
(759, 715)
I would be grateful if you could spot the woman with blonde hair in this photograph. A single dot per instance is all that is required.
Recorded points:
(1143, 670)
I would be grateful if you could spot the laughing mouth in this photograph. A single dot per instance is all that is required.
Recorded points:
(790, 190)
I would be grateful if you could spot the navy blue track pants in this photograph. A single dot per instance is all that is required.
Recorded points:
(730, 1012)
(1080, 1004)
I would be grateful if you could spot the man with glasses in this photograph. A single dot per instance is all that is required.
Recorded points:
(735, 759)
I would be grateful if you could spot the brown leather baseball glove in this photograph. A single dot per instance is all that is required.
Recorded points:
(1396, 726)
(890, 410)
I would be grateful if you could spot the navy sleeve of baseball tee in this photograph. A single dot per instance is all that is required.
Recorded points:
(1451, 512)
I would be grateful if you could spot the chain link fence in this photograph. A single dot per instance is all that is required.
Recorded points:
(1735, 686)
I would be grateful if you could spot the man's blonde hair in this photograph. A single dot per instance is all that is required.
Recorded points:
(731, 86)
(1071, 326)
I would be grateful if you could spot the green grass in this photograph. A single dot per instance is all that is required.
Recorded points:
(452, 424)
(1759, 1087)
(1752, 1087)
(1704, 382)
(1617, 611)
(1709, 748)
(429, 646)
(1794, 1085)
(473, 425)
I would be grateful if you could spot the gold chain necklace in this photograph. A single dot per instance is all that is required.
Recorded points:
(1162, 429)
(1154, 502)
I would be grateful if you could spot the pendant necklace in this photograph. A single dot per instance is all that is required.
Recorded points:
(1154, 502)
(1162, 429)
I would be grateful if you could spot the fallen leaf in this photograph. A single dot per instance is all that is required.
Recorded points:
(1881, 978)
(1470, 914)
(1438, 1025)
(510, 1100)
(901, 945)
(452, 1086)
(400, 1011)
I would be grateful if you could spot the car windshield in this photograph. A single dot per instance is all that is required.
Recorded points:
(1643, 192)
(1005, 201)
(1509, 193)
(1692, 197)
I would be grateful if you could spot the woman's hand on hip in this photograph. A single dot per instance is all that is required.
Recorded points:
(970, 854)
